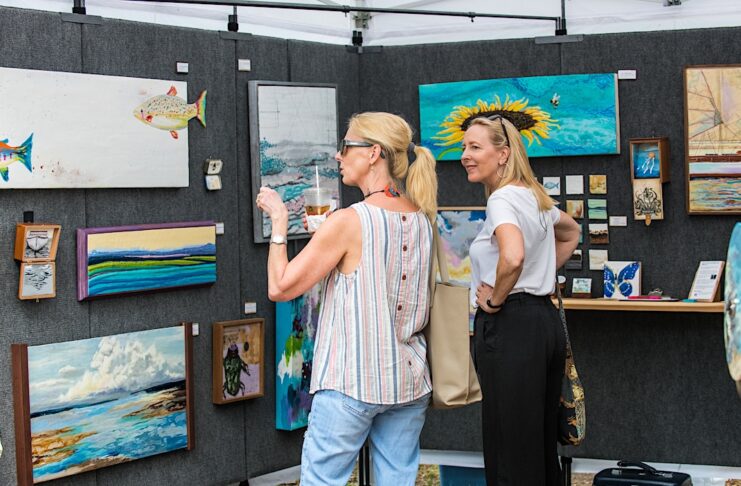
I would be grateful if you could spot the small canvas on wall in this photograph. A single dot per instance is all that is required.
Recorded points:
(145, 258)
(713, 144)
(86, 404)
(238, 365)
(575, 114)
(295, 329)
(73, 130)
(293, 141)
(38, 281)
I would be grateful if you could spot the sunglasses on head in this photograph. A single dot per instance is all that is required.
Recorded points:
(501, 120)
(344, 144)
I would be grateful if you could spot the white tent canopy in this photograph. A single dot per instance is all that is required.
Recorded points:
(582, 16)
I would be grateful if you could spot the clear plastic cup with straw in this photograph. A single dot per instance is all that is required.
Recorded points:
(317, 202)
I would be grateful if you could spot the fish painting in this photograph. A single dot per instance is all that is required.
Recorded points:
(171, 112)
(10, 155)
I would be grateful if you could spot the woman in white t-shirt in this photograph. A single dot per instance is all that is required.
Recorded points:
(519, 343)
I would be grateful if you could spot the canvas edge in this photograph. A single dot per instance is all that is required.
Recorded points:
(22, 414)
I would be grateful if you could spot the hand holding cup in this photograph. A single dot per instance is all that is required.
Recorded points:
(317, 201)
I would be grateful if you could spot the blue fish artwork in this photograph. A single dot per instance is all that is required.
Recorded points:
(646, 164)
(622, 279)
(10, 155)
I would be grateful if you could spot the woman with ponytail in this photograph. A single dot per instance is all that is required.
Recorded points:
(370, 377)
(519, 344)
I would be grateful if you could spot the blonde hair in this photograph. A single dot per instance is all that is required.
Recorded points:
(394, 135)
(518, 167)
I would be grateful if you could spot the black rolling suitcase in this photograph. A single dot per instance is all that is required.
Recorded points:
(639, 474)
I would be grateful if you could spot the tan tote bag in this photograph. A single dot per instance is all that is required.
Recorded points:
(454, 380)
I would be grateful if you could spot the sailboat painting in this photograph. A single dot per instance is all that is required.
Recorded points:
(713, 139)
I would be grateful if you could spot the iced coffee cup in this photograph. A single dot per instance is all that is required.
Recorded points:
(317, 201)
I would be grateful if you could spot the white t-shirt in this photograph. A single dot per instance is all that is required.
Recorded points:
(518, 206)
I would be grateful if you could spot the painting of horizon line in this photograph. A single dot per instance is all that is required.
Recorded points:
(66, 130)
(457, 228)
(98, 402)
(295, 331)
(561, 115)
(145, 258)
(713, 138)
(293, 140)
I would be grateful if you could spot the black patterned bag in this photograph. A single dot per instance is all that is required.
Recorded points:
(572, 418)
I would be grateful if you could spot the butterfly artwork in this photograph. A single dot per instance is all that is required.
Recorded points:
(622, 279)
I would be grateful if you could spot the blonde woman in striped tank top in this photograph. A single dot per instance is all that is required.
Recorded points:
(370, 377)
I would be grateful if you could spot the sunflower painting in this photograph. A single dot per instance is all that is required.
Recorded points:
(574, 114)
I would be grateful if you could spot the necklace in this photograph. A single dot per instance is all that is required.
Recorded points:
(389, 191)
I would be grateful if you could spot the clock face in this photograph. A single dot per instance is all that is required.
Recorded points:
(38, 243)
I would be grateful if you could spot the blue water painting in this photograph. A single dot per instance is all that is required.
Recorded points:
(715, 194)
(103, 401)
(732, 334)
(557, 116)
(295, 327)
(646, 163)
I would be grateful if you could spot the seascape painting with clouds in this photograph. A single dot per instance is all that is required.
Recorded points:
(107, 400)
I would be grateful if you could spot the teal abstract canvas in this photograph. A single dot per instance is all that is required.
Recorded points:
(732, 326)
(575, 114)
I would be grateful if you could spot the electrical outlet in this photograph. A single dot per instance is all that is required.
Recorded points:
(212, 166)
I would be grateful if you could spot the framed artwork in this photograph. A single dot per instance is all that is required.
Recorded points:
(36, 242)
(293, 141)
(38, 281)
(648, 199)
(562, 115)
(295, 329)
(575, 208)
(145, 258)
(598, 234)
(457, 228)
(649, 158)
(597, 208)
(622, 279)
(575, 261)
(597, 259)
(575, 184)
(238, 360)
(581, 287)
(712, 104)
(92, 403)
(552, 185)
(597, 184)
(45, 115)
(732, 318)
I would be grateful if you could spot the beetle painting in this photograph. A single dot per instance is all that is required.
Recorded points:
(237, 360)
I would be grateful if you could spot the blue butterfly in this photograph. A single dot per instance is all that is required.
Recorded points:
(621, 282)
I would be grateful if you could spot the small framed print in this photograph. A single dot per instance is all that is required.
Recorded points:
(581, 288)
(552, 186)
(598, 184)
(37, 281)
(36, 242)
(575, 208)
(238, 360)
(649, 158)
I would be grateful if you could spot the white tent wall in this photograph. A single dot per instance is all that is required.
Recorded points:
(583, 17)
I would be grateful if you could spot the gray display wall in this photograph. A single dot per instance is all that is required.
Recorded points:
(657, 387)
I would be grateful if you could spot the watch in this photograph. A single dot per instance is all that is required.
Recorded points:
(278, 239)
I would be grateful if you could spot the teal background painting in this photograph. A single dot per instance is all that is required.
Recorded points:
(582, 107)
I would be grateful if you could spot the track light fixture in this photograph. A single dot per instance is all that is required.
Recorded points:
(233, 24)
(78, 7)
(357, 38)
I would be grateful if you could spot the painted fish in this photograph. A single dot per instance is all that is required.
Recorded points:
(10, 155)
(170, 112)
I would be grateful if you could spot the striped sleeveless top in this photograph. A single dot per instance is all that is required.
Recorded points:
(369, 343)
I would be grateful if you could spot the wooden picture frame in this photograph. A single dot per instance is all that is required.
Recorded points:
(145, 258)
(131, 405)
(36, 242)
(294, 131)
(238, 355)
(37, 281)
(649, 158)
(711, 142)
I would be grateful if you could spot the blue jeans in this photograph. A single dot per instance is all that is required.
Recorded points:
(338, 427)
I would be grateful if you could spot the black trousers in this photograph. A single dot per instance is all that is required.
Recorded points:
(519, 354)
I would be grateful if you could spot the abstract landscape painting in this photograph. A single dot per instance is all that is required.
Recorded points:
(97, 402)
(295, 330)
(732, 324)
(293, 141)
(73, 130)
(142, 258)
(713, 139)
(457, 228)
(563, 115)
